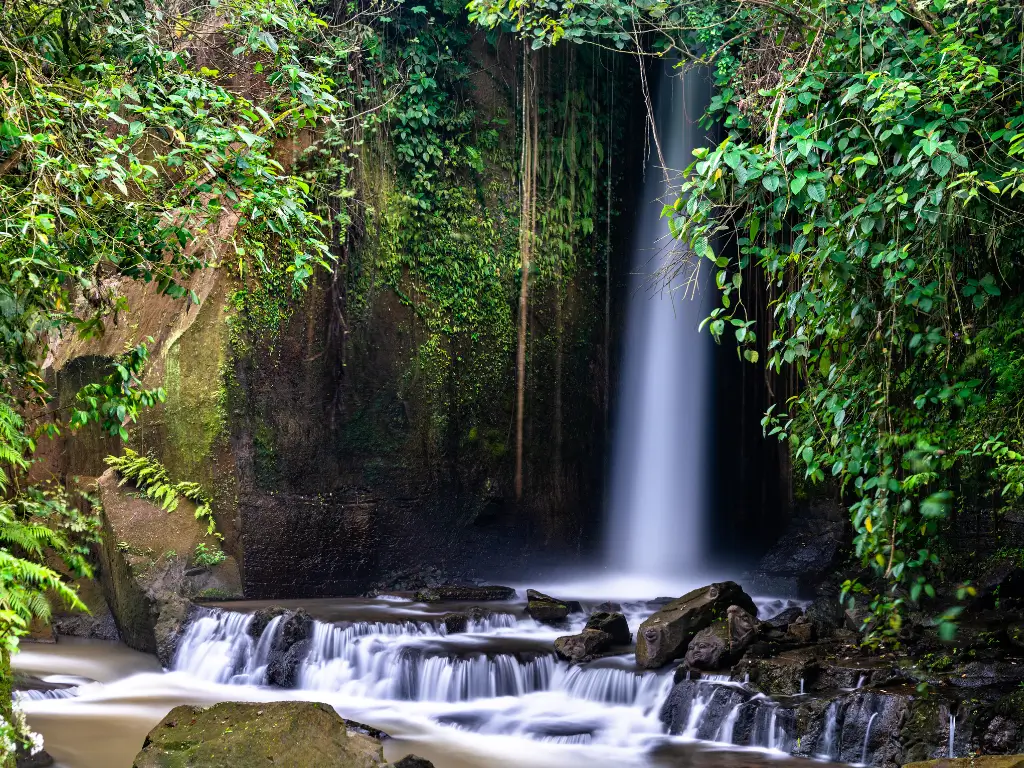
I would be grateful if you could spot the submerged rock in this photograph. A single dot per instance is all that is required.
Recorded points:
(549, 610)
(666, 635)
(265, 735)
(262, 618)
(614, 624)
(584, 645)
(465, 594)
(290, 649)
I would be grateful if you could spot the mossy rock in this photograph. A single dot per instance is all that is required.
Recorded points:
(262, 735)
(981, 761)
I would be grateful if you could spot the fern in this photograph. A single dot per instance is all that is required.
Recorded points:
(152, 479)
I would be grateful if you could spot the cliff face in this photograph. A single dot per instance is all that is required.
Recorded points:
(347, 437)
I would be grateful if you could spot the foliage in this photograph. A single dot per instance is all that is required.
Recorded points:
(869, 175)
(150, 477)
(208, 556)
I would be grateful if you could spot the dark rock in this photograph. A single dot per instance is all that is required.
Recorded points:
(263, 617)
(583, 646)
(978, 761)
(779, 675)
(1015, 634)
(826, 614)
(297, 626)
(283, 669)
(665, 635)
(802, 631)
(454, 623)
(1000, 735)
(41, 759)
(675, 712)
(412, 761)
(465, 594)
(614, 624)
(721, 644)
(784, 619)
(265, 735)
(608, 607)
(547, 609)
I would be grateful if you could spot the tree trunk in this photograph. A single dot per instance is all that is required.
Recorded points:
(528, 169)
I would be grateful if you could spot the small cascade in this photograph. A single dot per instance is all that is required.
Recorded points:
(611, 685)
(826, 748)
(952, 735)
(52, 693)
(867, 737)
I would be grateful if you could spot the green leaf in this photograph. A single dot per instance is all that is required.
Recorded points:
(941, 165)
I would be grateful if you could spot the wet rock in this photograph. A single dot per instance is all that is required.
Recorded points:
(264, 735)
(978, 761)
(262, 618)
(665, 635)
(780, 675)
(41, 759)
(802, 631)
(454, 623)
(826, 614)
(583, 646)
(614, 624)
(412, 761)
(608, 607)
(784, 619)
(1000, 735)
(549, 610)
(290, 649)
(465, 594)
(709, 648)
(716, 702)
(807, 553)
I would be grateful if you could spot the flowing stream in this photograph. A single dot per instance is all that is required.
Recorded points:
(493, 696)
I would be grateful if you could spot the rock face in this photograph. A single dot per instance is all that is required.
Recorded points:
(547, 609)
(267, 735)
(827, 615)
(666, 635)
(614, 624)
(465, 594)
(981, 761)
(583, 646)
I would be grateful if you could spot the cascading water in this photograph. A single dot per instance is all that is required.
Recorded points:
(658, 494)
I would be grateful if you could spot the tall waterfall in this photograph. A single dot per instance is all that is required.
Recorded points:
(660, 464)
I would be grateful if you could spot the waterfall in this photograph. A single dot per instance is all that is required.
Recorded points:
(658, 494)
(952, 733)
(867, 737)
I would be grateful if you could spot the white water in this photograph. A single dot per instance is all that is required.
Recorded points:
(658, 495)
(495, 696)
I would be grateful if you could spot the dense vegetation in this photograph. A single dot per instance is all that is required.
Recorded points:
(869, 182)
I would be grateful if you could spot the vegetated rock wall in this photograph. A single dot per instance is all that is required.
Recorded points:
(345, 443)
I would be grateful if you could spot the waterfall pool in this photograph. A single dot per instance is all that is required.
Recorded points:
(493, 696)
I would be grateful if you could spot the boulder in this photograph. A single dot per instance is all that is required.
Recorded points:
(454, 623)
(780, 675)
(290, 649)
(412, 761)
(721, 644)
(265, 735)
(41, 759)
(608, 607)
(262, 618)
(826, 614)
(583, 646)
(454, 593)
(549, 610)
(784, 619)
(665, 635)
(614, 624)
(802, 631)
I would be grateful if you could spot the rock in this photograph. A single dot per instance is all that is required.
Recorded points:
(454, 623)
(608, 607)
(265, 735)
(979, 761)
(465, 594)
(780, 675)
(785, 618)
(549, 610)
(290, 649)
(665, 635)
(614, 624)
(412, 761)
(826, 614)
(721, 644)
(41, 759)
(802, 631)
(262, 618)
(1000, 735)
(583, 646)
